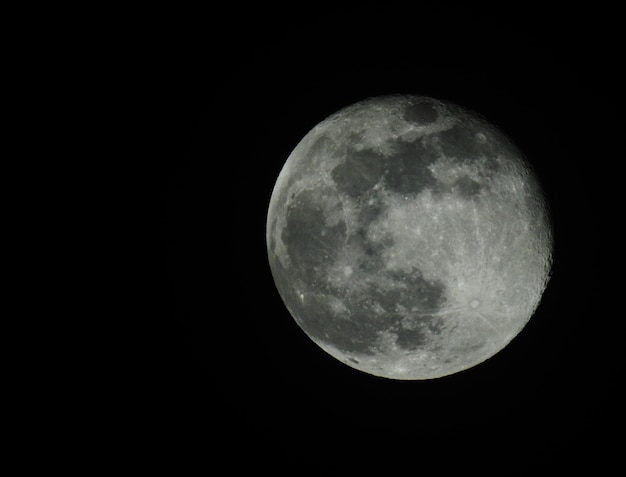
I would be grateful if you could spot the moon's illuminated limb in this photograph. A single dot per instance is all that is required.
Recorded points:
(408, 238)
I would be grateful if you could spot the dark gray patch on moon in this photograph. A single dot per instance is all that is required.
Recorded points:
(321, 146)
(418, 297)
(353, 333)
(408, 172)
(371, 208)
(410, 339)
(358, 173)
(466, 187)
(374, 309)
(464, 143)
(370, 253)
(415, 335)
(309, 241)
(413, 291)
(421, 113)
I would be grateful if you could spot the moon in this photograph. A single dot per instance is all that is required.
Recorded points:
(408, 237)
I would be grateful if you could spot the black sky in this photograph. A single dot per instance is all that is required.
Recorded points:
(243, 384)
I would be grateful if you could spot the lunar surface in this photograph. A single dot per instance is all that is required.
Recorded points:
(408, 237)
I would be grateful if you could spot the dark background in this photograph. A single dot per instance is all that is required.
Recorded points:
(237, 381)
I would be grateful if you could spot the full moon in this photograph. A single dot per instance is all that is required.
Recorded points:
(408, 237)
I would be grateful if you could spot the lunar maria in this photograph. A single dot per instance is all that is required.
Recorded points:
(408, 237)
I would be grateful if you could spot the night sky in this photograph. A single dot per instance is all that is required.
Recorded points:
(240, 383)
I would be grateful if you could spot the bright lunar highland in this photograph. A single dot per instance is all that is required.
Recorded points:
(408, 237)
